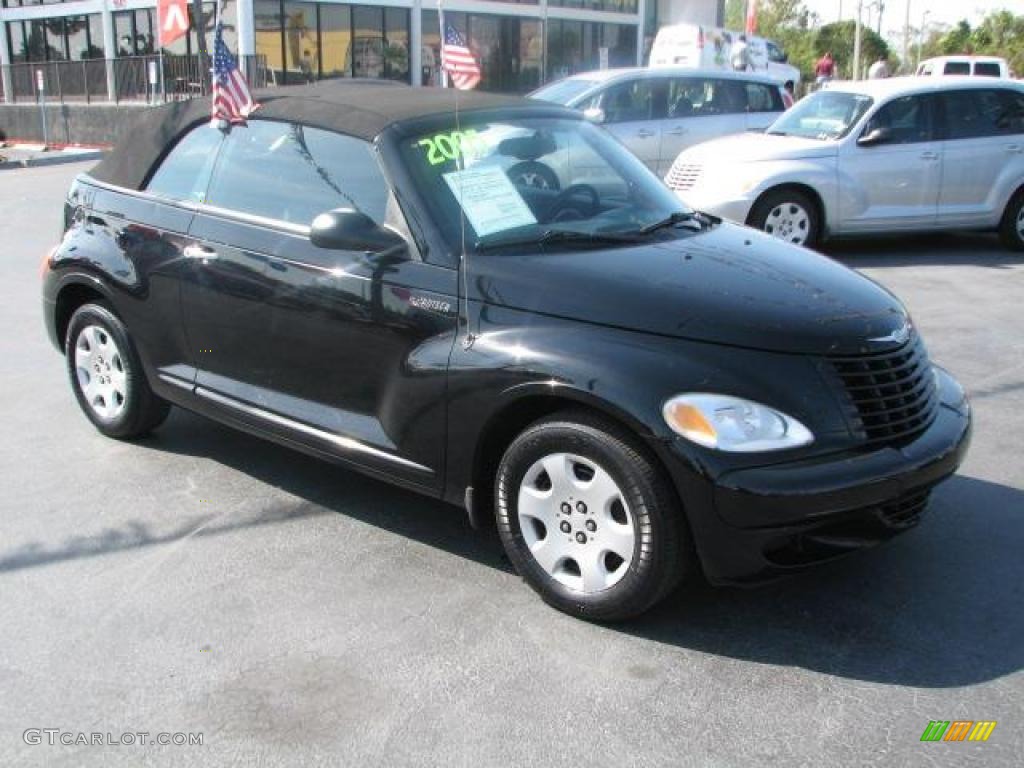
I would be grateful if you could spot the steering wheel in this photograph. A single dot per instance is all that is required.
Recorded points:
(565, 207)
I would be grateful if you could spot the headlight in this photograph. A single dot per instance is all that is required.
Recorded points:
(733, 424)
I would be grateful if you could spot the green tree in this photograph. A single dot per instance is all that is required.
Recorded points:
(735, 14)
(837, 38)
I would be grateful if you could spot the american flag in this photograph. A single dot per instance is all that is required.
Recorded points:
(231, 98)
(458, 61)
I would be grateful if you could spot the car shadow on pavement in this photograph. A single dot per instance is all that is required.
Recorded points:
(940, 249)
(321, 488)
(938, 607)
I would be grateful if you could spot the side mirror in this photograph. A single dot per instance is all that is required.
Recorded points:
(875, 136)
(594, 115)
(345, 229)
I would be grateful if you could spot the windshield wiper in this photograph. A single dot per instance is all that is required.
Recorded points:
(677, 217)
(558, 236)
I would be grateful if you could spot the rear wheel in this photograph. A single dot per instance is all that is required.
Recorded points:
(587, 519)
(1011, 230)
(788, 214)
(107, 377)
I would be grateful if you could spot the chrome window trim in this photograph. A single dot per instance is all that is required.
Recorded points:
(346, 443)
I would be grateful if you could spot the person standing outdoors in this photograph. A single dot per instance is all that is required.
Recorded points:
(879, 70)
(739, 54)
(825, 69)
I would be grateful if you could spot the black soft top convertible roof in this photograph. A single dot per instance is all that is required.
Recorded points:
(363, 109)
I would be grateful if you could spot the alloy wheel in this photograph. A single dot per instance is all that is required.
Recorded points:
(575, 522)
(790, 222)
(100, 370)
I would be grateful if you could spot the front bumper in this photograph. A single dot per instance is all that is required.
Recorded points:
(771, 521)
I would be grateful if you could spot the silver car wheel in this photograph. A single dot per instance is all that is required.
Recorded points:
(790, 222)
(576, 523)
(99, 367)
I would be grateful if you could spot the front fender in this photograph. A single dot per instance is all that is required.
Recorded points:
(626, 375)
(819, 175)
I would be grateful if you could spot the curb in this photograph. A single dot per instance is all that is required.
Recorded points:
(43, 160)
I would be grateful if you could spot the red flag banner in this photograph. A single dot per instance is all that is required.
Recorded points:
(751, 16)
(172, 18)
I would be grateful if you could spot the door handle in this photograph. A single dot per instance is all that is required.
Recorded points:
(195, 251)
(677, 132)
(1016, 149)
(929, 155)
(643, 133)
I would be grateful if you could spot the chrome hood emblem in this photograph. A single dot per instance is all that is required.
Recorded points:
(900, 336)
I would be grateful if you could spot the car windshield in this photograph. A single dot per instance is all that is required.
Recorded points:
(526, 181)
(563, 91)
(824, 115)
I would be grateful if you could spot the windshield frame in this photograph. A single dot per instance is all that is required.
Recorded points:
(869, 103)
(442, 233)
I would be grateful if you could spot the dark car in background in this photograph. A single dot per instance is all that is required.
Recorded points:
(635, 391)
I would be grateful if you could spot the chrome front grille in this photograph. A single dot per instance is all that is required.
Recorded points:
(891, 396)
(683, 176)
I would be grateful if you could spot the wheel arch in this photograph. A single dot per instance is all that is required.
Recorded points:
(72, 295)
(806, 189)
(528, 404)
(1015, 191)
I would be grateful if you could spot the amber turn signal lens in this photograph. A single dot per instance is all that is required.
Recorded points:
(45, 264)
(689, 421)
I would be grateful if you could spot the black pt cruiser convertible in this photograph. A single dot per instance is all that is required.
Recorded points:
(489, 300)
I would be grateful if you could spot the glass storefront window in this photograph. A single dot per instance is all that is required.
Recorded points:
(77, 30)
(614, 6)
(368, 41)
(95, 37)
(135, 32)
(575, 46)
(55, 42)
(123, 34)
(267, 30)
(18, 40)
(396, 44)
(301, 43)
(72, 37)
(335, 40)
(510, 50)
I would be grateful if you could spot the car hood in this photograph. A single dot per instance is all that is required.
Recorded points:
(752, 147)
(728, 285)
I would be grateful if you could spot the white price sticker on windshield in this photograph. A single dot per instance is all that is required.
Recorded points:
(489, 199)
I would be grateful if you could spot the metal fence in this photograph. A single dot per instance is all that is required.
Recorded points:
(156, 78)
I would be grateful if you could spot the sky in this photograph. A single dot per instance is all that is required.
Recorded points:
(940, 11)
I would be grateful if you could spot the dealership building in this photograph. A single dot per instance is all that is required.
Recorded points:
(520, 43)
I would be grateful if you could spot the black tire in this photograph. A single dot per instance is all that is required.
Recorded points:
(775, 202)
(1011, 229)
(662, 555)
(530, 173)
(139, 410)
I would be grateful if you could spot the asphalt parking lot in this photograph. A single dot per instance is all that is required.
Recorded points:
(295, 613)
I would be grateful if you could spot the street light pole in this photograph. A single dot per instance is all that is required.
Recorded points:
(906, 41)
(920, 38)
(856, 40)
